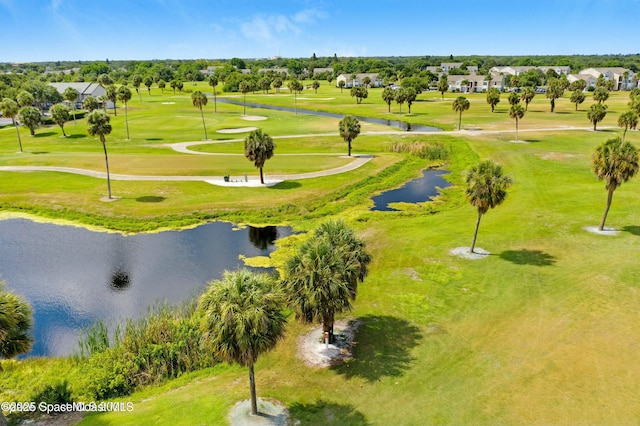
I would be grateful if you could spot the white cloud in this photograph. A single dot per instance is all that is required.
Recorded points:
(309, 16)
(271, 30)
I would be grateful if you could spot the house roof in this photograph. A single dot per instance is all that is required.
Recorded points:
(321, 70)
(83, 88)
(597, 71)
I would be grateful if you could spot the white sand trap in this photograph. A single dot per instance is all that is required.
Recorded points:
(237, 130)
(465, 252)
(253, 117)
(605, 231)
(316, 99)
(238, 181)
(168, 103)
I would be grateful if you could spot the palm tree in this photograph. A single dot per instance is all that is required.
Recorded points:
(401, 96)
(615, 162)
(242, 318)
(577, 97)
(71, 95)
(388, 95)
(321, 278)
(15, 323)
(628, 120)
(60, 115)
(99, 125)
(124, 95)
(443, 86)
(199, 100)
(516, 112)
(112, 95)
(136, 80)
(9, 108)
(486, 189)
(30, 117)
(460, 104)
(527, 96)
(90, 103)
(244, 87)
(213, 82)
(349, 128)
(161, 85)
(596, 114)
(259, 147)
(148, 81)
(493, 98)
(341, 85)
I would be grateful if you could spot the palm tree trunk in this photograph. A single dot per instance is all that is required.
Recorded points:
(624, 133)
(594, 125)
(606, 210)
(3, 420)
(349, 145)
(73, 110)
(327, 326)
(204, 125)
(215, 106)
(18, 132)
(126, 118)
(261, 176)
(389, 107)
(475, 234)
(106, 161)
(252, 388)
(460, 120)
(245, 105)
(516, 129)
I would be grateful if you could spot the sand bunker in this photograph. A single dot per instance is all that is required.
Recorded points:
(316, 99)
(168, 103)
(237, 130)
(316, 354)
(253, 117)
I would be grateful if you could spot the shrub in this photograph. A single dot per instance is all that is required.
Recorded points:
(59, 393)
(428, 151)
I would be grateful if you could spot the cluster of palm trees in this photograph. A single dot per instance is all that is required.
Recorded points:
(243, 314)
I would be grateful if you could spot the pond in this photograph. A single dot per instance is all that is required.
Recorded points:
(73, 277)
(402, 125)
(416, 191)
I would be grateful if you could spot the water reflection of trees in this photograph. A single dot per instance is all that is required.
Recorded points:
(261, 238)
(120, 280)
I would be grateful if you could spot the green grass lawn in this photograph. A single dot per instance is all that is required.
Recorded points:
(542, 331)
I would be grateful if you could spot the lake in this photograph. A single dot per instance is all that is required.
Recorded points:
(73, 277)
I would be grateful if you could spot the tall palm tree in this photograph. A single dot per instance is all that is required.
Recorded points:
(596, 114)
(124, 95)
(527, 96)
(242, 318)
(259, 147)
(460, 104)
(71, 95)
(244, 87)
(213, 82)
(321, 278)
(486, 189)
(388, 95)
(615, 162)
(516, 112)
(112, 95)
(349, 128)
(199, 100)
(628, 120)
(9, 108)
(99, 125)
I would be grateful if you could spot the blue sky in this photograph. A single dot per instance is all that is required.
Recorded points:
(45, 30)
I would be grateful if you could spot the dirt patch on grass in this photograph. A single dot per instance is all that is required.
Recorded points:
(269, 413)
(556, 156)
(253, 117)
(314, 353)
(465, 253)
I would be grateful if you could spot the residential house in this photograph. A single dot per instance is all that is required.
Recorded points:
(318, 71)
(275, 70)
(210, 70)
(448, 66)
(85, 90)
(355, 80)
(475, 83)
(623, 79)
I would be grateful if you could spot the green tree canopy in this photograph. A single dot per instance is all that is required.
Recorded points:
(60, 115)
(577, 97)
(9, 108)
(627, 120)
(493, 98)
(30, 117)
(459, 105)
(596, 114)
(527, 96)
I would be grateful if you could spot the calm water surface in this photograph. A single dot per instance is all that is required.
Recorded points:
(73, 277)
(416, 191)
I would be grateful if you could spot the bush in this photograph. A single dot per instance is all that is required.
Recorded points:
(59, 393)
(164, 344)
